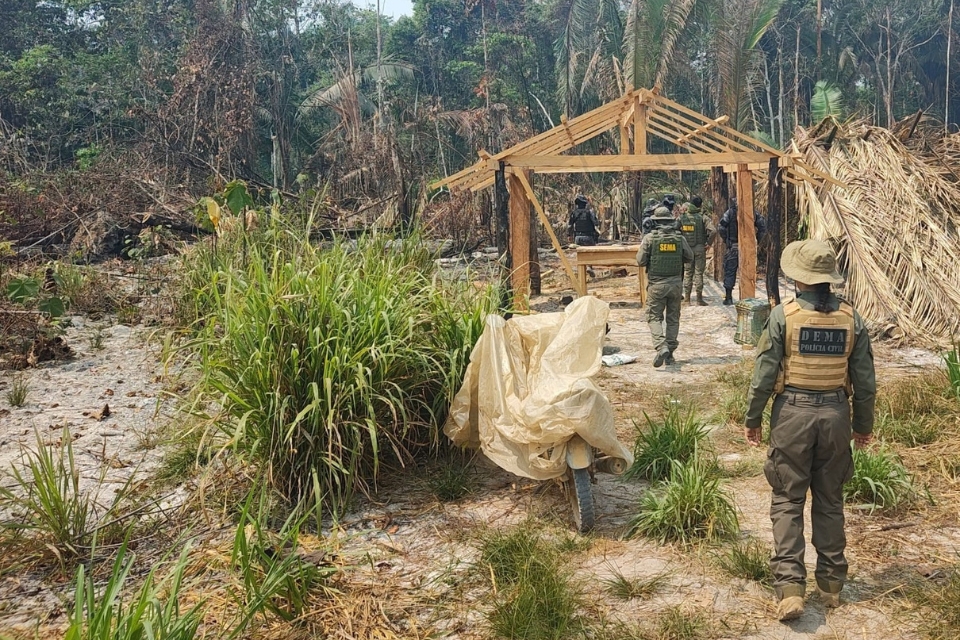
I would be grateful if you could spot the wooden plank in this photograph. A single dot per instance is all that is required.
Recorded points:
(519, 242)
(640, 128)
(553, 236)
(774, 215)
(747, 234)
(688, 124)
(669, 134)
(703, 128)
(624, 140)
(633, 162)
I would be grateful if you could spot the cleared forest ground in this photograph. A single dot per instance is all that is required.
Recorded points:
(408, 564)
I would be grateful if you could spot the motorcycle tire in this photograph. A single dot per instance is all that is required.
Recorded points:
(581, 499)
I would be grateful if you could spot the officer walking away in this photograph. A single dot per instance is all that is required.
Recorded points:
(698, 231)
(583, 225)
(728, 229)
(814, 352)
(663, 252)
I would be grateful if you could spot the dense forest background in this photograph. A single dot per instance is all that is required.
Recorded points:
(144, 105)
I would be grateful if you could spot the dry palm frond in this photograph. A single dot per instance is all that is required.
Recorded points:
(894, 226)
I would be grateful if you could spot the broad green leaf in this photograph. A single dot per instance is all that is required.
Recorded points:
(237, 197)
(21, 289)
(53, 307)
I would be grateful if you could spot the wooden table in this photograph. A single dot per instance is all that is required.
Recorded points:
(613, 255)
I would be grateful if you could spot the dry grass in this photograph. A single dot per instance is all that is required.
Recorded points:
(895, 228)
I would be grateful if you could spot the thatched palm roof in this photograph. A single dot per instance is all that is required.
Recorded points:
(894, 224)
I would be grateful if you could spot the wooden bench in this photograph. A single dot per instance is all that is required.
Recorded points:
(613, 255)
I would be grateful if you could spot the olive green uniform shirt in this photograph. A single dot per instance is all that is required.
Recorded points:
(770, 354)
(643, 259)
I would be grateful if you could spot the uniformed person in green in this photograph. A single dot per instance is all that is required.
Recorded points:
(814, 353)
(698, 231)
(663, 252)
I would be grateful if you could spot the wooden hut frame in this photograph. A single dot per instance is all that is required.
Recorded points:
(704, 144)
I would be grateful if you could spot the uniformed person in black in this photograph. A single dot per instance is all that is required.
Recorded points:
(583, 225)
(729, 231)
(663, 253)
(814, 353)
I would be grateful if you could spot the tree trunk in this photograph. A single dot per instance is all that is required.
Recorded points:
(946, 103)
(502, 225)
(721, 200)
(774, 216)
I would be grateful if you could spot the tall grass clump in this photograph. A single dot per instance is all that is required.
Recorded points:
(100, 613)
(676, 438)
(49, 504)
(691, 505)
(534, 597)
(939, 601)
(915, 411)
(880, 481)
(328, 361)
(952, 361)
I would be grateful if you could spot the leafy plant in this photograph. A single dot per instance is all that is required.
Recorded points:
(674, 439)
(826, 102)
(26, 290)
(691, 505)
(535, 599)
(276, 578)
(625, 588)
(451, 481)
(329, 361)
(748, 559)
(880, 481)
(51, 504)
(99, 612)
(952, 360)
(18, 391)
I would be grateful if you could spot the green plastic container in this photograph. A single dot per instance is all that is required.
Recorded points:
(752, 315)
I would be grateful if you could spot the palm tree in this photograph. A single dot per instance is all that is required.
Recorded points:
(650, 40)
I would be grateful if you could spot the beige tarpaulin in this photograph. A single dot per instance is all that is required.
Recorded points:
(528, 389)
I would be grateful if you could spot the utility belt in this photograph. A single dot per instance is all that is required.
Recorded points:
(815, 397)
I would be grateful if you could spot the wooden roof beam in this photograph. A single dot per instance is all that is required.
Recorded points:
(635, 162)
(702, 129)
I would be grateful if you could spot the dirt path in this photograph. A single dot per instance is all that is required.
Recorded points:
(418, 551)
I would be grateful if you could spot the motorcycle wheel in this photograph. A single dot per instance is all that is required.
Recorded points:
(581, 499)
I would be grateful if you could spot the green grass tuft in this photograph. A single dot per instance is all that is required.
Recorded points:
(952, 361)
(676, 438)
(535, 599)
(748, 559)
(939, 601)
(676, 624)
(18, 392)
(329, 362)
(452, 479)
(625, 588)
(691, 505)
(880, 481)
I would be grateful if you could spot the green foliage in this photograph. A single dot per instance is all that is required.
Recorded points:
(18, 391)
(690, 506)
(952, 361)
(915, 411)
(535, 598)
(880, 481)
(328, 361)
(748, 559)
(86, 156)
(22, 289)
(236, 196)
(676, 438)
(276, 578)
(677, 624)
(826, 102)
(50, 504)
(99, 612)
(452, 480)
(625, 588)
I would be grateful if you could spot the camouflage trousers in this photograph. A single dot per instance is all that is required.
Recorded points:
(693, 274)
(809, 450)
(663, 314)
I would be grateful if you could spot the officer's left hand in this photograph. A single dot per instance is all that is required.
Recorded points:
(753, 436)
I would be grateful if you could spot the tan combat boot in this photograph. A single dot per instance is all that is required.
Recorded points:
(790, 608)
(829, 600)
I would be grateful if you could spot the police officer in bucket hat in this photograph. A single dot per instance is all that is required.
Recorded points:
(813, 357)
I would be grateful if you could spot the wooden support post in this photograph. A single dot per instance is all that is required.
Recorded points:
(624, 140)
(553, 236)
(501, 199)
(721, 200)
(519, 241)
(640, 128)
(774, 216)
(535, 283)
(747, 233)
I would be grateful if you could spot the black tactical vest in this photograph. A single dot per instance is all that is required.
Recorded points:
(582, 223)
(666, 253)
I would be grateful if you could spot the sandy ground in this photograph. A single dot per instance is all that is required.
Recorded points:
(424, 548)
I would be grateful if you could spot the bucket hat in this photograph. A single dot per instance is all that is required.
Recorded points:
(810, 262)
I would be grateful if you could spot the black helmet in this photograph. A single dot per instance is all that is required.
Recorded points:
(580, 199)
(669, 201)
(696, 201)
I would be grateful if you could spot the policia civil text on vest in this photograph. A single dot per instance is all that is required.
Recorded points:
(813, 356)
